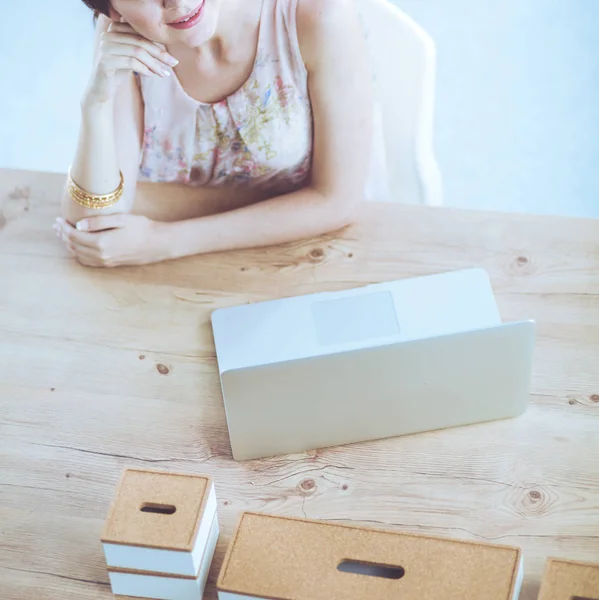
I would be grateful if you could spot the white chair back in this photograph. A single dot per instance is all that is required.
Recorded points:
(404, 67)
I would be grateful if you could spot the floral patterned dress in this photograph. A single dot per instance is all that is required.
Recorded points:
(261, 135)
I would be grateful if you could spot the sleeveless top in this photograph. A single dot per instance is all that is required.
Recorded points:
(261, 135)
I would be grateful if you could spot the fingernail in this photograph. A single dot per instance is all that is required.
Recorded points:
(171, 60)
(82, 225)
(60, 220)
(164, 73)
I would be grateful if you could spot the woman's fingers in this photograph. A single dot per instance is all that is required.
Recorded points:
(70, 235)
(90, 257)
(123, 56)
(88, 248)
(150, 47)
(81, 239)
(124, 27)
(132, 39)
(82, 252)
(87, 261)
(122, 50)
(129, 63)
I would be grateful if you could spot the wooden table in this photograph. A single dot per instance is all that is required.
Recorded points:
(104, 369)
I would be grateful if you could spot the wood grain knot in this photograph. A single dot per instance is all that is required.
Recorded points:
(344, 487)
(589, 401)
(142, 356)
(67, 475)
(536, 502)
(316, 255)
(522, 265)
(162, 369)
(307, 485)
(52, 389)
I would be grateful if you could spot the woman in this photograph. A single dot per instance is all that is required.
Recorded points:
(262, 109)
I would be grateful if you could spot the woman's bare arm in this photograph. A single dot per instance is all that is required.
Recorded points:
(96, 165)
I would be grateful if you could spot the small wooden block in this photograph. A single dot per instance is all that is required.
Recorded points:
(569, 580)
(128, 524)
(283, 558)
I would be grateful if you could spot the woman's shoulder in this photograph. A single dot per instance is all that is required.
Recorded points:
(323, 15)
(322, 23)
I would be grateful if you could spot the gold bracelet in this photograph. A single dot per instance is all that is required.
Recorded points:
(94, 201)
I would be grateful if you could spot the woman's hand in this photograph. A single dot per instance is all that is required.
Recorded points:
(115, 240)
(121, 52)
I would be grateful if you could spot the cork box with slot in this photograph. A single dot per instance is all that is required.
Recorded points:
(282, 558)
(160, 535)
(569, 580)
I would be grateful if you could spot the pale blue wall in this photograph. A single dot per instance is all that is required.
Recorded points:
(518, 97)
(518, 102)
(44, 66)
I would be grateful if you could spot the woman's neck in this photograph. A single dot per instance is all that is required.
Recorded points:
(237, 23)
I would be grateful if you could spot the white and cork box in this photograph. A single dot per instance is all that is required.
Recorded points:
(378, 361)
(569, 580)
(282, 558)
(160, 535)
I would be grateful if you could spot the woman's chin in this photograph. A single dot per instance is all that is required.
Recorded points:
(200, 33)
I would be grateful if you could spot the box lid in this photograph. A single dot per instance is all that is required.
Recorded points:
(569, 580)
(285, 558)
(379, 314)
(157, 510)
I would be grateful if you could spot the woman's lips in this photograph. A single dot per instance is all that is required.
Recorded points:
(189, 20)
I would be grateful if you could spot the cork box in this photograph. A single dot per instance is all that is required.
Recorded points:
(282, 558)
(569, 580)
(160, 535)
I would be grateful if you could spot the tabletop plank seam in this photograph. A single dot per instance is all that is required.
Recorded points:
(115, 455)
(102, 583)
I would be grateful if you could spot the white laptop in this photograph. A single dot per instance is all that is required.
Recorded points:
(379, 361)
